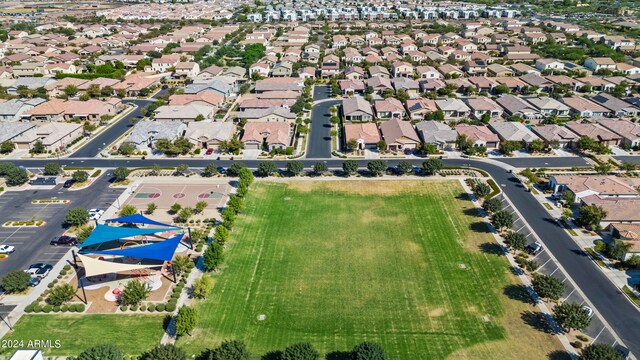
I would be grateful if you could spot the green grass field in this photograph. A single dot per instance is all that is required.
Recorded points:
(133, 334)
(335, 263)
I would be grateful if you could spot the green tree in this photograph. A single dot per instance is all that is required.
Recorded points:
(121, 173)
(431, 166)
(569, 197)
(382, 145)
(213, 257)
(235, 203)
(463, 142)
(134, 293)
(16, 176)
(15, 281)
(61, 294)
(300, 351)
(185, 214)
(127, 148)
(597, 351)
(80, 176)
(547, 287)
(295, 167)
(368, 351)
(128, 210)
(617, 249)
(231, 350)
(502, 220)
(165, 352)
(492, 205)
(604, 168)
(481, 189)
(77, 216)
(246, 176)
(71, 90)
(102, 352)
(352, 144)
(200, 206)
(52, 169)
(377, 167)
(571, 316)
(186, 320)
(585, 143)
(485, 118)
(83, 233)
(590, 216)
(536, 146)
(181, 169)
(515, 241)
(151, 207)
(210, 170)
(7, 146)
(181, 264)
(221, 234)
(175, 208)
(349, 167)
(266, 168)
(202, 287)
(320, 168)
(507, 147)
(38, 148)
(405, 166)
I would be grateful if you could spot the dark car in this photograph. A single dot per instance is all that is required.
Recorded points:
(43, 181)
(43, 271)
(68, 183)
(221, 170)
(34, 281)
(64, 240)
(534, 249)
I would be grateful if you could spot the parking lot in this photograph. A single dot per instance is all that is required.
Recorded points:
(32, 243)
(548, 266)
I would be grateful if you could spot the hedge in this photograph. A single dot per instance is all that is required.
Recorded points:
(151, 308)
(494, 187)
(160, 307)
(171, 307)
(96, 173)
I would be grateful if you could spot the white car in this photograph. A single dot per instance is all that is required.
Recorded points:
(7, 249)
(588, 310)
(95, 214)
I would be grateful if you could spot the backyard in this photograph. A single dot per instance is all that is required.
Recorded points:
(407, 264)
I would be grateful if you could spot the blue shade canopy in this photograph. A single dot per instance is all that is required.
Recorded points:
(162, 250)
(136, 219)
(104, 233)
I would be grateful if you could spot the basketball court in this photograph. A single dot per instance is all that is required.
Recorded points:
(187, 195)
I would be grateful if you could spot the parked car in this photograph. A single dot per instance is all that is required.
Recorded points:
(34, 281)
(39, 270)
(63, 240)
(95, 214)
(7, 249)
(221, 170)
(534, 249)
(68, 183)
(209, 151)
(43, 181)
(588, 310)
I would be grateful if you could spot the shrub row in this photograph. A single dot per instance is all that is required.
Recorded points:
(169, 306)
(35, 307)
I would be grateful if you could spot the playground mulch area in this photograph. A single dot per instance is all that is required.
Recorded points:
(165, 195)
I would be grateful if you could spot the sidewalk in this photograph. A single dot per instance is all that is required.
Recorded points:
(619, 278)
(557, 330)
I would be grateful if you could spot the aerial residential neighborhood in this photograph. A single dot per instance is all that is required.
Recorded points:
(320, 179)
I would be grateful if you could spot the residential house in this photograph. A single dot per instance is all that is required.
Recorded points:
(402, 69)
(269, 135)
(10, 130)
(357, 109)
(604, 186)
(389, 108)
(629, 131)
(438, 134)
(399, 135)
(261, 68)
(518, 107)
(209, 135)
(418, 108)
(616, 106)
(272, 114)
(549, 65)
(366, 134)
(549, 106)
(282, 69)
(595, 132)
(145, 133)
(54, 136)
(483, 105)
(379, 71)
(600, 63)
(585, 108)
(550, 134)
(185, 113)
(379, 84)
(408, 85)
(513, 131)
(453, 108)
(480, 135)
(350, 87)
(13, 109)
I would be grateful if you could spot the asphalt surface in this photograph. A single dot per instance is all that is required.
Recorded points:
(634, 159)
(319, 142)
(538, 162)
(111, 134)
(31, 243)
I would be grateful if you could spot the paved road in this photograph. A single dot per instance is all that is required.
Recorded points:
(623, 317)
(98, 143)
(32, 244)
(319, 144)
(629, 158)
(538, 162)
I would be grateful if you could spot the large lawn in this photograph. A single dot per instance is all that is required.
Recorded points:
(339, 262)
(133, 334)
